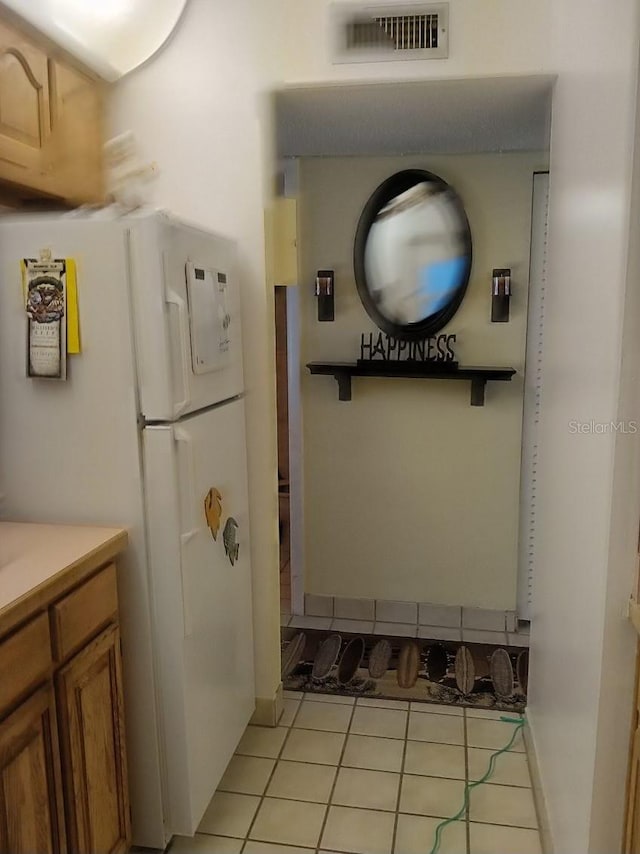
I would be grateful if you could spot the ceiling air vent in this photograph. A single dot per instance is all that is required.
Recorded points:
(374, 33)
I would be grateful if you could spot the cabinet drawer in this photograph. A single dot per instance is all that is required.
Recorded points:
(80, 615)
(25, 660)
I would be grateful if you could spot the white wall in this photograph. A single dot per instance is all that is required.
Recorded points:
(580, 724)
(585, 525)
(196, 110)
(620, 639)
(411, 493)
(485, 38)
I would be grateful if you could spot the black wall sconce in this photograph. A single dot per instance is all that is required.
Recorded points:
(500, 295)
(325, 293)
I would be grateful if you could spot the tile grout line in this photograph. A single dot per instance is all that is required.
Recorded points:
(400, 782)
(268, 783)
(391, 738)
(311, 697)
(383, 770)
(360, 808)
(335, 779)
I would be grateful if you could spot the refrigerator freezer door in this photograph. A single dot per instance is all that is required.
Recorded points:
(198, 525)
(188, 332)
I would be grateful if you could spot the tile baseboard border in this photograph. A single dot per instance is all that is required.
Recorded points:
(484, 619)
(268, 710)
(539, 799)
(318, 605)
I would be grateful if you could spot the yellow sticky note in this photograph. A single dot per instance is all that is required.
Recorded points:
(73, 325)
(23, 275)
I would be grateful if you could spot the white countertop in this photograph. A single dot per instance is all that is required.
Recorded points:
(31, 555)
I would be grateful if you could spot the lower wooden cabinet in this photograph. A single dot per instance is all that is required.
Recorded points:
(63, 771)
(632, 845)
(31, 814)
(89, 694)
(632, 819)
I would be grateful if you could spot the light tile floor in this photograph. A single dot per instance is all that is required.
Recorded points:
(370, 777)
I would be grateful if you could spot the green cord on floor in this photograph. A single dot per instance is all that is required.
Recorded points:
(468, 786)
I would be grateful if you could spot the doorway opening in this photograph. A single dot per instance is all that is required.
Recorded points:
(379, 561)
(282, 407)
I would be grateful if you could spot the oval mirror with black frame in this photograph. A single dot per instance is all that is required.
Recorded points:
(412, 254)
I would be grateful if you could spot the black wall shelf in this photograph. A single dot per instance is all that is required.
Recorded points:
(478, 377)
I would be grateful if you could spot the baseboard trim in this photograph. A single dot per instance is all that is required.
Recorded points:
(268, 709)
(408, 613)
(538, 792)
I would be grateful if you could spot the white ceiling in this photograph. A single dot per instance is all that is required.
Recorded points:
(433, 116)
(110, 36)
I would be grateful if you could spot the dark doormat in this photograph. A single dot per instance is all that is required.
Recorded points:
(397, 668)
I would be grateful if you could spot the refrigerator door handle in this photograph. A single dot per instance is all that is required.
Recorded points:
(186, 461)
(172, 298)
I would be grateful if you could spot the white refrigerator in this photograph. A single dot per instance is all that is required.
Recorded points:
(147, 432)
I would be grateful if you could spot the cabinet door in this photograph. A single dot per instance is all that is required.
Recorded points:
(31, 815)
(25, 120)
(632, 843)
(76, 134)
(89, 693)
(632, 816)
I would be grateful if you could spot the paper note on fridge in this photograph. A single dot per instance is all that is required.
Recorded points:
(51, 303)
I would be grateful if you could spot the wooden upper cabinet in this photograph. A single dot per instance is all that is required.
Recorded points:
(76, 106)
(25, 118)
(50, 121)
(31, 813)
(89, 691)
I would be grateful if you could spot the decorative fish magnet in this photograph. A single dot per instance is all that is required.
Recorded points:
(213, 510)
(231, 546)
